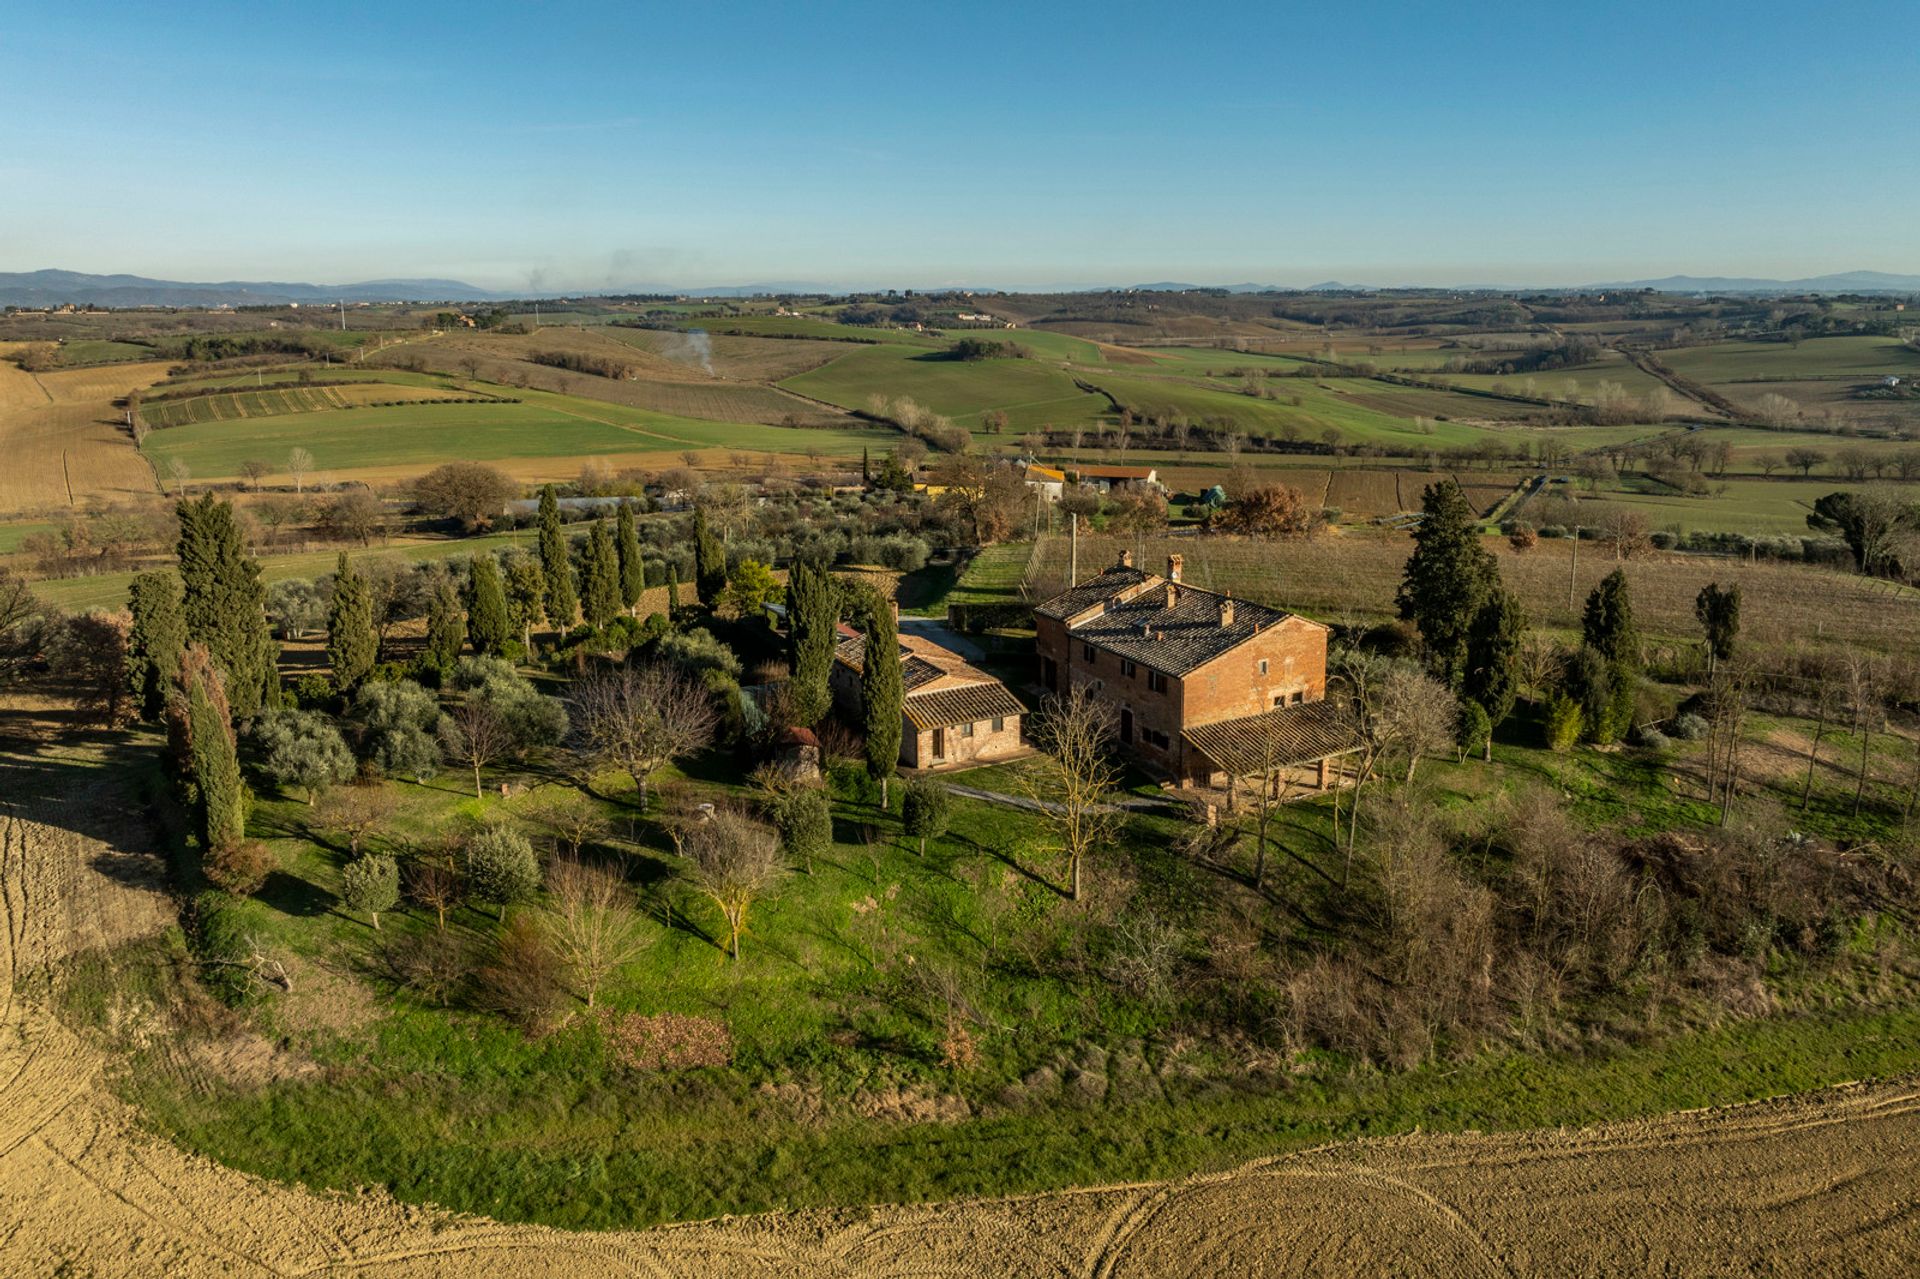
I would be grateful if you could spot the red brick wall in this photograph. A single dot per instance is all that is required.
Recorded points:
(1229, 687)
(1232, 685)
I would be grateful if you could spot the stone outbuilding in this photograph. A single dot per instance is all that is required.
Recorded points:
(953, 715)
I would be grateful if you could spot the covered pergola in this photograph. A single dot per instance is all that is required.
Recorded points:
(1307, 735)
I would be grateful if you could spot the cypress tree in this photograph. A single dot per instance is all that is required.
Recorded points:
(1607, 625)
(1718, 609)
(446, 628)
(352, 644)
(601, 598)
(633, 570)
(526, 591)
(811, 615)
(866, 468)
(880, 690)
(153, 645)
(223, 600)
(1493, 652)
(1447, 579)
(709, 561)
(202, 730)
(555, 564)
(488, 627)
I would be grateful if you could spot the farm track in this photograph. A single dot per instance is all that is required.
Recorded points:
(1821, 1185)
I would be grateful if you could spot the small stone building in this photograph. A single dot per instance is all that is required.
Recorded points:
(952, 714)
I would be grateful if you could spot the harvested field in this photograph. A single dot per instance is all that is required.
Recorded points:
(61, 452)
(101, 385)
(1817, 1185)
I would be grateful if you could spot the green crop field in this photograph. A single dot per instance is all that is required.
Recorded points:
(1031, 392)
(1847, 358)
(1754, 506)
(102, 351)
(1337, 404)
(542, 426)
(13, 536)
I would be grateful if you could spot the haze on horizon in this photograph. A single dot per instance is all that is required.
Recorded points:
(1067, 145)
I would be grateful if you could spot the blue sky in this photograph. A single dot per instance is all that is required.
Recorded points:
(591, 146)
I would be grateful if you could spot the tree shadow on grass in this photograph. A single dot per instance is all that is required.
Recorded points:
(292, 895)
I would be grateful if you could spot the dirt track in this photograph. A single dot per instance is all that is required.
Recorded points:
(1828, 1184)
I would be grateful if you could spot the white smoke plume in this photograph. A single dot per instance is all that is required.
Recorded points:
(691, 347)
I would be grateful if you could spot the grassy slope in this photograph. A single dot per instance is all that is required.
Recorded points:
(1033, 392)
(1850, 358)
(458, 1110)
(542, 425)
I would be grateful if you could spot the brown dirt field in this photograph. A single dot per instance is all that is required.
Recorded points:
(48, 443)
(1820, 1185)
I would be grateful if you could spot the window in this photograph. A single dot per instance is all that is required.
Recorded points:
(1156, 738)
(1128, 669)
(966, 730)
(1090, 653)
(1156, 681)
(999, 724)
(1279, 699)
(1263, 666)
(1299, 696)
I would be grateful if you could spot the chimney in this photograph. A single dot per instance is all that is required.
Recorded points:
(1126, 559)
(1173, 594)
(1226, 610)
(1174, 564)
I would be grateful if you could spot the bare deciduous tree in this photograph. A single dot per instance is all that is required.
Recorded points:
(476, 734)
(734, 861)
(638, 719)
(591, 921)
(1076, 777)
(299, 466)
(355, 812)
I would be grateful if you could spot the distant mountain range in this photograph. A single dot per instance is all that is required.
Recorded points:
(59, 288)
(1840, 282)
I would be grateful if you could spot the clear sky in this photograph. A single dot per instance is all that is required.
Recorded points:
(585, 145)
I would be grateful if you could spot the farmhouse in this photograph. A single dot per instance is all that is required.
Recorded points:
(1049, 483)
(1205, 687)
(952, 714)
(1106, 478)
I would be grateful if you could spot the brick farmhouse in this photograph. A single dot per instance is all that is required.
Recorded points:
(1204, 687)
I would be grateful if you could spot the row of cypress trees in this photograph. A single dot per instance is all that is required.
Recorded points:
(1473, 628)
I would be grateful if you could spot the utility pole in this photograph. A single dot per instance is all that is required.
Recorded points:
(1573, 566)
